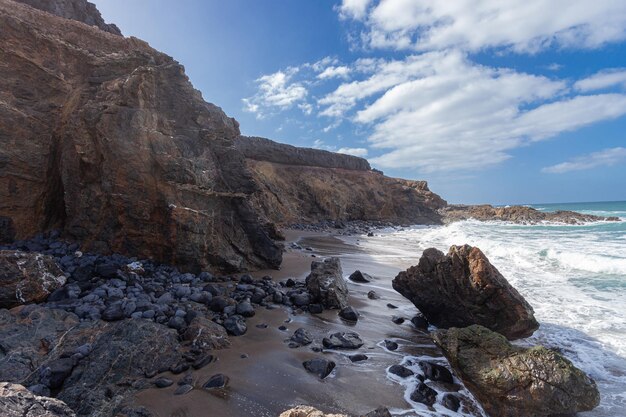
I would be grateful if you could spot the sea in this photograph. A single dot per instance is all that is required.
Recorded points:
(574, 276)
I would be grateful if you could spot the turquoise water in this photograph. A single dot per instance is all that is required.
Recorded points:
(574, 276)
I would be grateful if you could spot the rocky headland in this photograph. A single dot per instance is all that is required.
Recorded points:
(516, 214)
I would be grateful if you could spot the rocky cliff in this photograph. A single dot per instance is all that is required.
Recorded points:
(516, 214)
(105, 138)
(299, 185)
(80, 10)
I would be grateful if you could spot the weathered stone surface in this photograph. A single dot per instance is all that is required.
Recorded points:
(462, 288)
(27, 278)
(298, 185)
(306, 411)
(343, 340)
(511, 381)
(37, 343)
(80, 10)
(319, 366)
(517, 214)
(123, 154)
(17, 401)
(204, 333)
(326, 283)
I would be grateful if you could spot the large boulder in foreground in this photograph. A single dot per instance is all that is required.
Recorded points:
(511, 381)
(17, 401)
(463, 288)
(326, 283)
(106, 139)
(27, 277)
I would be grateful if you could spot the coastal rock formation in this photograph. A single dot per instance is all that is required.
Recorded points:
(17, 401)
(463, 288)
(326, 283)
(105, 138)
(306, 411)
(299, 185)
(516, 214)
(27, 278)
(80, 10)
(511, 381)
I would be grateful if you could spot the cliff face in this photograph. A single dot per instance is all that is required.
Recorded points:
(105, 138)
(80, 10)
(307, 185)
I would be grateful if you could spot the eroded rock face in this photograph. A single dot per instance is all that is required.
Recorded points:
(17, 401)
(463, 288)
(511, 381)
(124, 155)
(326, 283)
(299, 185)
(80, 10)
(27, 278)
(517, 214)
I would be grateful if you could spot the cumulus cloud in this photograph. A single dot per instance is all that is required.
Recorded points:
(522, 25)
(277, 92)
(606, 157)
(602, 80)
(334, 72)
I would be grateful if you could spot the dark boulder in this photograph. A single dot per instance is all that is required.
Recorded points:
(436, 372)
(326, 284)
(349, 313)
(420, 322)
(401, 371)
(390, 345)
(451, 402)
(462, 288)
(359, 357)
(216, 381)
(235, 325)
(163, 382)
(424, 394)
(514, 381)
(203, 333)
(301, 337)
(320, 367)
(343, 340)
(361, 277)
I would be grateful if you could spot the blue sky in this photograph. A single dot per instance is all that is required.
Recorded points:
(497, 102)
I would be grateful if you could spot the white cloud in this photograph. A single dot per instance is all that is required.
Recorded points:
(522, 25)
(334, 72)
(606, 157)
(353, 9)
(361, 152)
(277, 92)
(603, 79)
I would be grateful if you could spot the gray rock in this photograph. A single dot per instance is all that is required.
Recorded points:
(349, 313)
(321, 367)
(326, 284)
(343, 340)
(17, 401)
(235, 325)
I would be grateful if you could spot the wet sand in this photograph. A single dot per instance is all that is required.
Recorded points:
(270, 378)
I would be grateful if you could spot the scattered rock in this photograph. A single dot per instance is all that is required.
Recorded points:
(424, 394)
(511, 380)
(392, 306)
(390, 345)
(204, 333)
(349, 313)
(400, 371)
(216, 381)
(462, 288)
(451, 402)
(359, 357)
(235, 325)
(361, 277)
(301, 337)
(436, 372)
(373, 295)
(343, 340)
(397, 319)
(379, 412)
(320, 367)
(420, 322)
(183, 389)
(163, 382)
(326, 284)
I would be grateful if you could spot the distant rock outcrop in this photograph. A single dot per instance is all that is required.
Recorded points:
(80, 10)
(106, 138)
(463, 288)
(511, 381)
(299, 185)
(516, 214)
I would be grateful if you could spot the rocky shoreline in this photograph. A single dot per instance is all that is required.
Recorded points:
(517, 214)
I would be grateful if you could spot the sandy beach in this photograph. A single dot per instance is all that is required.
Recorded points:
(267, 377)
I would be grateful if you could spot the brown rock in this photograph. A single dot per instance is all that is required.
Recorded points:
(17, 401)
(27, 277)
(105, 138)
(204, 333)
(299, 185)
(463, 288)
(326, 283)
(511, 381)
(306, 411)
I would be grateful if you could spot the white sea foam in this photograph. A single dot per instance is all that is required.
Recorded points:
(573, 276)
